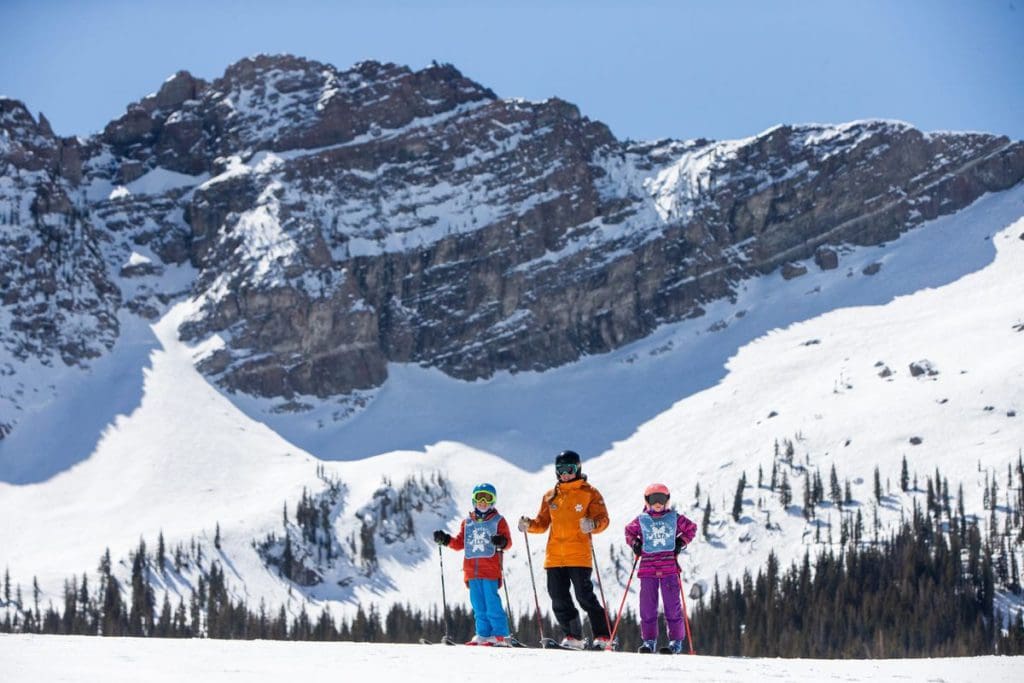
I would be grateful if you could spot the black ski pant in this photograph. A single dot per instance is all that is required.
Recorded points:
(559, 580)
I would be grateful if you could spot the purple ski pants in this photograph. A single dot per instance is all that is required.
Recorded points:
(669, 586)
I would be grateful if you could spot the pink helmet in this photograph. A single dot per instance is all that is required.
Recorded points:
(656, 488)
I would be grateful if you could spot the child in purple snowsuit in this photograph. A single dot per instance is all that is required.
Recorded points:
(657, 535)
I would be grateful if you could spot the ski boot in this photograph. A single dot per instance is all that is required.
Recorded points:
(573, 643)
(648, 647)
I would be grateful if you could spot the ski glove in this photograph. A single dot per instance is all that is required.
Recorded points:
(680, 545)
(442, 538)
(499, 541)
(638, 545)
(524, 523)
(587, 525)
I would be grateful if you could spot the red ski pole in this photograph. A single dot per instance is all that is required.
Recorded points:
(622, 604)
(686, 614)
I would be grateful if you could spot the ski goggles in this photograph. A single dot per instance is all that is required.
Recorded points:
(567, 468)
(483, 497)
(657, 498)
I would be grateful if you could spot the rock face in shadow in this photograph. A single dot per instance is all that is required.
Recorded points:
(337, 220)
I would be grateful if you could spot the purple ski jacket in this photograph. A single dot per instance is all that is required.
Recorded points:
(660, 563)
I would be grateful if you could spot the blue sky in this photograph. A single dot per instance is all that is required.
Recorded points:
(715, 68)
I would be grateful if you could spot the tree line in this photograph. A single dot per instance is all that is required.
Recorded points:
(926, 589)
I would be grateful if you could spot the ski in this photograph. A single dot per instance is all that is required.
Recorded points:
(552, 644)
(512, 642)
(445, 640)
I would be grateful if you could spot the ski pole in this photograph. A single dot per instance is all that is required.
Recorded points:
(508, 603)
(444, 598)
(618, 617)
(686, 615)
(536, 600)
(604, 603)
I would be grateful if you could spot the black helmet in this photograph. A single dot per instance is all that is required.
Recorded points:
(567, 458)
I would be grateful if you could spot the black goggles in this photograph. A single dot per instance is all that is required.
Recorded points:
(657, 498)
(567, 468)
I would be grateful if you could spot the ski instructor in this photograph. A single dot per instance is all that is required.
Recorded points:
(573, 510)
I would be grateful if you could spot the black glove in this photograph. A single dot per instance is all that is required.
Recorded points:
(499, 541)
(679, 545)
(442, 538)
(638, 545)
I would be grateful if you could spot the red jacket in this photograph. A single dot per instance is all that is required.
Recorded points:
(484, 567)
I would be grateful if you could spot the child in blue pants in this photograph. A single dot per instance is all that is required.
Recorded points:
(484, 534)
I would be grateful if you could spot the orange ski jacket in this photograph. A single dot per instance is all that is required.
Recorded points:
(561, 509)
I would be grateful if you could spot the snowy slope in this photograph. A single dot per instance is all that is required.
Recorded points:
(56, 659)
(689, 405)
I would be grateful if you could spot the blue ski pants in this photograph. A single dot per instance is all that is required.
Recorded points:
(487, 608)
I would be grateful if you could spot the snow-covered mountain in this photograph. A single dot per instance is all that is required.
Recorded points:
(360, 293)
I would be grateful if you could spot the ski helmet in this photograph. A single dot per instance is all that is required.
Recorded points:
(487, 490)
(657, 490)
(567, 458)
(567, 462)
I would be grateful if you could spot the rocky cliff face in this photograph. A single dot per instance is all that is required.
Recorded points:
(57, 299)
(340, 220)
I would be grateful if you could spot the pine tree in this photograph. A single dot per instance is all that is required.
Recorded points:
(785, 492)
(737, 503)
(808, 500)
(161, 553)
(904, 475)
(287, 557)
(817, 488)
(706, 521)
(140, 615)
(35, 594)
(835, 492)
(878, 485)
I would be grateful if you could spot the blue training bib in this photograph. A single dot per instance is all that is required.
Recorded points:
(478, 537)
(659, 533)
